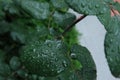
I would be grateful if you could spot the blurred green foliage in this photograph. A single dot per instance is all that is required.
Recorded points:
(26, 26)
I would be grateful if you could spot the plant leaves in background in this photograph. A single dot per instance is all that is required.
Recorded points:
(2, 14)
(88, 71)
(64, 20)
(38, 10)
(2, 78)
(2, 56)
(22, 73)
(15, 63)
(4, 69)
(112, 45)
(4, 27)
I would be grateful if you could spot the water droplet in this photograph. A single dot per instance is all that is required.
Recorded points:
(51, 61)
(83, 4)
(73, 56)
(52, 53)
(117, 58)
(101, 12)
(46, 51)
(64, 63)
(49, 45)
(58, 45)
(34, 50)
(33, 57)
(86, 12)
(56, 59)
(111, 40)
(104, 9)
(48, 65)
(97, 6)
(37, 60)
(90, 7)
(117, 32)
(52, 69)
(118, 49)
(59, 71)
(43, 55)
(38, 55)
(48, 42)
(111, 59)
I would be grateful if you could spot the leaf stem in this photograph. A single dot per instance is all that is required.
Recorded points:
(50, 18)
(72, 25)
(114, 13)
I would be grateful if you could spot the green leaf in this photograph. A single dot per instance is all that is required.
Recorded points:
(21, 73)
(54, 32)
(76, 65)
(91, 7)
(38, 10)
(2, 78)
(38, 33)
(41, 31)
(105, 17)
(4, 27)
(112, 45)
(10, 7)
(60, 5)
(47, 58)
(18, 37)
(4, 69)
(34, 77)
(23, 33)
(116, 6)
(2, 56)
(11, 78)
(64, 20)
(15, 63)
(88, 71)
(2, 14)
(19, 33)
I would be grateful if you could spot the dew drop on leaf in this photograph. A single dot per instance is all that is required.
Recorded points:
(73, 56)
(90, 7)
(101, 12)
(97, 6)
(111, 59)
(59, 71)
(83, 4)
(34, 50)
(64, 63)
(111, 40)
